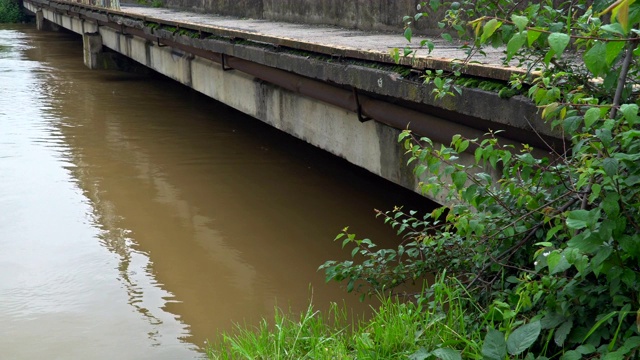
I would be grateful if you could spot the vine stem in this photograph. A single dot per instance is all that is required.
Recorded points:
(509, 252)
(622, 80)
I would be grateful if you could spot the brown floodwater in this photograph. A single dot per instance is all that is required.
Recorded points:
(139, 218)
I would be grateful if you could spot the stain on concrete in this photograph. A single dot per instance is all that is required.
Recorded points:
(392, 158)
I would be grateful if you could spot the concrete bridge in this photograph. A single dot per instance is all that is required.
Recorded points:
(338, 89)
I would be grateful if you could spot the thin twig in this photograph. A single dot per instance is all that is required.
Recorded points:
(621, 80)
(509, 252)
(631, 39)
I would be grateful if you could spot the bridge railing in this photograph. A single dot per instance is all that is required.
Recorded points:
(109, 4)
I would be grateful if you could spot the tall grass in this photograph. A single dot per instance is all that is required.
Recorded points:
(10, 11)
(397, 329)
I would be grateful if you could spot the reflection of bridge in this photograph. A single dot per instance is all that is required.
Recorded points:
(322, 85)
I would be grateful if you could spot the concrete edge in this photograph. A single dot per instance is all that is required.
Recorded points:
(489, 71)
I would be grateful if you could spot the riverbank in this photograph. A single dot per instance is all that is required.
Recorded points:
(397, 329)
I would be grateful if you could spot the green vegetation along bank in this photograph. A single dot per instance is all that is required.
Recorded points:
(541, 262)
(11, 11)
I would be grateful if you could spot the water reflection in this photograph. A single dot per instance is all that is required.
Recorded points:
(209, 217)
(60, 292)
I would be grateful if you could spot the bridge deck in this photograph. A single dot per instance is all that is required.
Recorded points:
(372, 46)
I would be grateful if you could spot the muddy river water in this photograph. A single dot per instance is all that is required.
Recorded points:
(139, 218)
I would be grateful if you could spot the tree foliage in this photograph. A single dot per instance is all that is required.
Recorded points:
(549, 246)
(10, 11)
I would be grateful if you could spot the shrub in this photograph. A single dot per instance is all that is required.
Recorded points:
(550, 248)
(10, 11)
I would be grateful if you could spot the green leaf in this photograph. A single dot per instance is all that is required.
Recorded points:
(621, 12)
(515, 44)
(586, 349)
(571, 355)
(459, 179)
(421, 354)
(613, 28)
(447, 37)
(430, 45)
(558, 42)
(548, 57)
(630, 112)
(578, 219)
(494, 347)
(610, 166)
(561, 333)
(614, 355)
(408, 34)
(553, 231)
(447, 354)
(611, 206)
(595, 58)
(631, 343)
(586, 242)
(571, 124)
(613, 50)
(551, 320)
(489, 28)
(599, 323)
(604, 135)
(532, 36)
(591, 116)
(557, 262)
(523, 337)
(350, 285)
(520, 21)
(438, 82)
(631, 245)
(464, 145)
(601, 255)
(395, 54)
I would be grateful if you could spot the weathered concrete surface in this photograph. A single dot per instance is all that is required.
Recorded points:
(377, 15)
(333, 41)
(99, 57)
(240, 8)
(92, 50)
(43, 24)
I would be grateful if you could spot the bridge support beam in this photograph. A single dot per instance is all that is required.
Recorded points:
(99, 57)
(93, 52)
(44, 24)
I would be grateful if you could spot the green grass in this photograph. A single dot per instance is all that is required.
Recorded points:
(396, 330)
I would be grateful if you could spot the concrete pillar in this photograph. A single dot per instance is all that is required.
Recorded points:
(97, 56)
(44, 24)
(39, 20)
(92, 45)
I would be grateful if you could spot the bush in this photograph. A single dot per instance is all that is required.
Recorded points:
(10, 11)
(550, 247)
